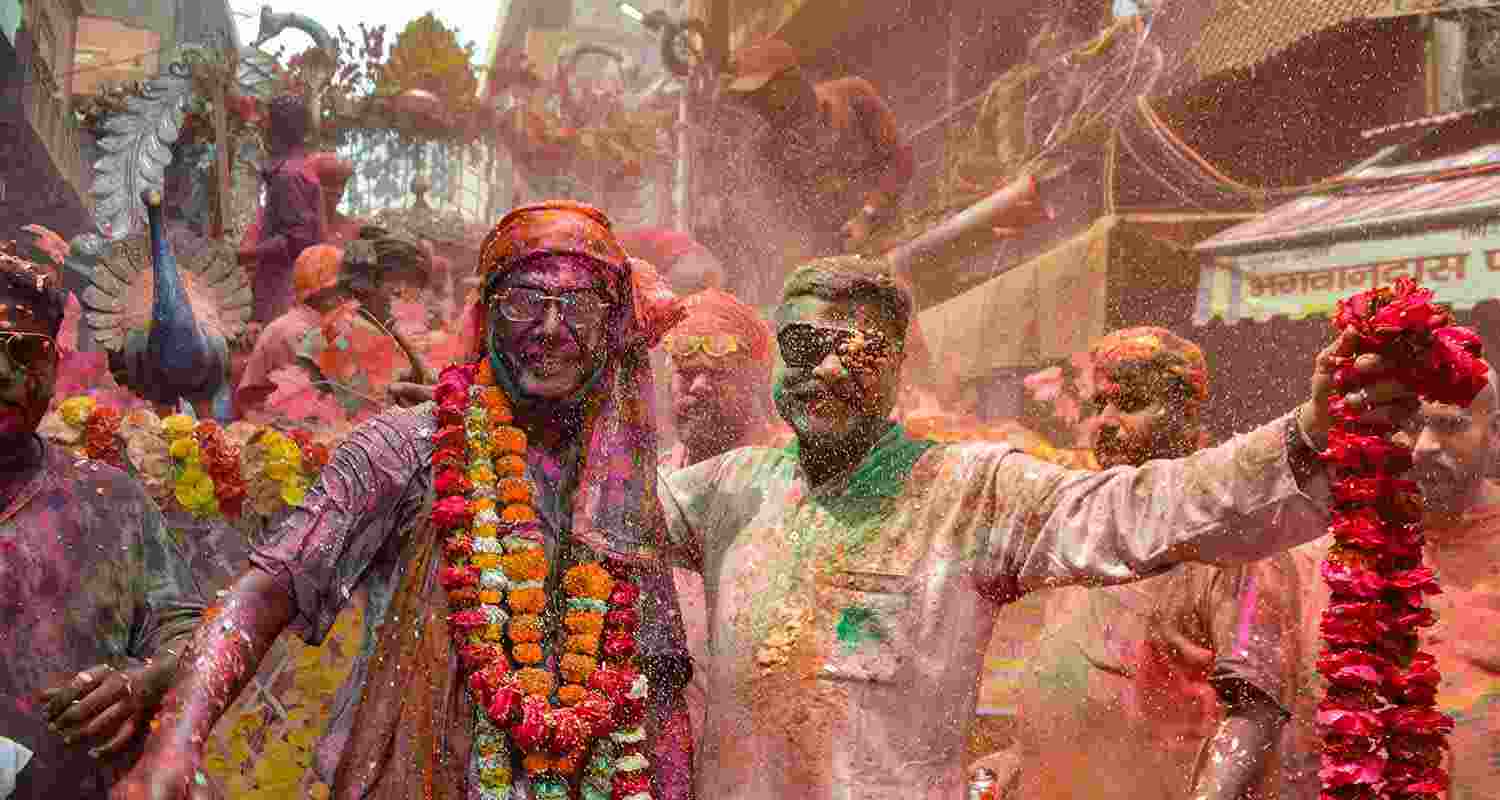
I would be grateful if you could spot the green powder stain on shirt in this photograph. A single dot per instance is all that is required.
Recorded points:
(858, 625)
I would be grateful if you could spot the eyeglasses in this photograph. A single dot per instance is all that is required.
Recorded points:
(716, 345)
(804, 345)
(27, 349)
(529, 305)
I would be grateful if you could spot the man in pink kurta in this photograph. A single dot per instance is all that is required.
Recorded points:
(852, 578)
(1172, 687)
(292, 219)
(315, 281)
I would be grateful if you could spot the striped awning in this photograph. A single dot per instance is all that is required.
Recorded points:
(1301, 258)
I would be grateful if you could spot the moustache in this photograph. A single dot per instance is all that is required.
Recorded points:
(809, 397)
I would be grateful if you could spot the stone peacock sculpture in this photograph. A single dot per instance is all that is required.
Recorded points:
(166, 325)
(164, 303)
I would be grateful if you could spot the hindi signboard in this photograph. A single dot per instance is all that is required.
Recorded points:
(1460, 264)
(1406, 8)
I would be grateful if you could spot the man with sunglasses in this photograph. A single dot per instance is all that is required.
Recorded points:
(562, 330)
(853, 577)
(96, 601)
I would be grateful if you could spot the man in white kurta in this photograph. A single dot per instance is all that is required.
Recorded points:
(852, 578)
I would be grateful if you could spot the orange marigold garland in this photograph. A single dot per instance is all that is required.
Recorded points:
(1382, 737)
(550, 697)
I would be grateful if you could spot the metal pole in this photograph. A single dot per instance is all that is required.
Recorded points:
(684, 157)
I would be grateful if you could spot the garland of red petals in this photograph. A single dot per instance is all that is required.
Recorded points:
(1382, 737)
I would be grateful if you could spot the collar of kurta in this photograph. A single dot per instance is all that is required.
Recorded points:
(886, 468)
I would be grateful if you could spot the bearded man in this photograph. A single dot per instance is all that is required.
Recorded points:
(721, 386)
(721, 379)
(567, 321)
(1453, 453)
(96, 600)
(1176, 686)
(853, 577)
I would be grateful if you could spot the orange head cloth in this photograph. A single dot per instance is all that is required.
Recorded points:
(1153, 348)
(615, 508)
(317, 269)
(715, 313)
(555, 227)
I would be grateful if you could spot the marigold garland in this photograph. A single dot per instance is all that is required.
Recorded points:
(199, 466)
(1382, 738)
(559, 703)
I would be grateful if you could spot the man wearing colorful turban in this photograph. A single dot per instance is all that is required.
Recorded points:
(560, 344)
(720, 358)
(721, 379)
(1176, 686)
(1150, 388)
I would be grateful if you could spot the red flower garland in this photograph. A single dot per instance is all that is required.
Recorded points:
(1382, 738)
(99, 436)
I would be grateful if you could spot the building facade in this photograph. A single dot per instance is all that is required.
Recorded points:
(42, 178)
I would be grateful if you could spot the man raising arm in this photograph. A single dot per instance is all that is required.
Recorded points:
(852, 578)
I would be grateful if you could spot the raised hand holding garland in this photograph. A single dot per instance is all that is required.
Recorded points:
(1382, 737)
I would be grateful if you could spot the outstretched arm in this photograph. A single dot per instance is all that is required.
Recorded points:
(1241, 501)
(302, 578)
(224, 654)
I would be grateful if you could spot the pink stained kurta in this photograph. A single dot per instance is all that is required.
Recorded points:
(848, 623)
(276, 347)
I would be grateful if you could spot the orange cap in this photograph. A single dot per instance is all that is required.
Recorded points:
(317, 269)
(753, 66)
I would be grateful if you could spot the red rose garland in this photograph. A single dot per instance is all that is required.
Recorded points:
(1382, 737)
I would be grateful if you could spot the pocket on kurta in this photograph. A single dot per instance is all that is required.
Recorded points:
(865, 616)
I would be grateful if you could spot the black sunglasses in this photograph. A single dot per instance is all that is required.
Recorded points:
(804, 345)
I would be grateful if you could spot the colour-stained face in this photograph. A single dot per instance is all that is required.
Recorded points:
(838, 368)
(549, 319)
(714, 398)
(1452, 451)
(28, 367)
(1141, 418)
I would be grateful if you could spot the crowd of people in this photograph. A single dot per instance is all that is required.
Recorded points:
(792, 597)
